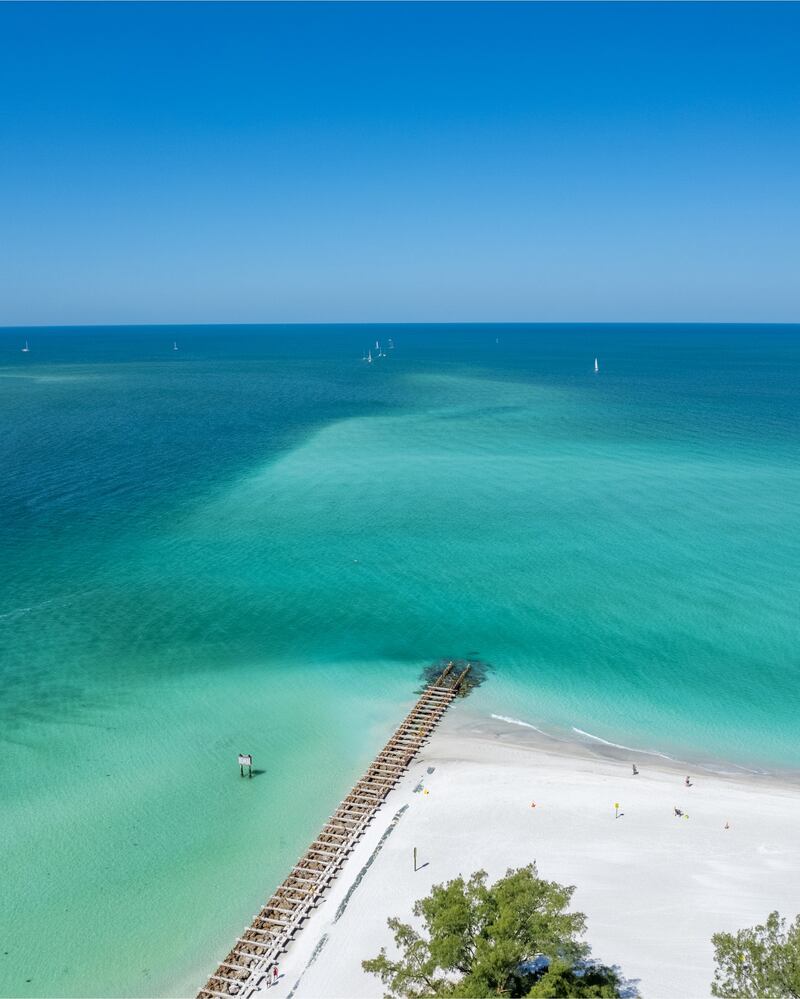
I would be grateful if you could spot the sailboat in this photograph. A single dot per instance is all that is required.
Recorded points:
(391, 344)
(369, 357)
(596, 366)
(174, 344)
(26, 348)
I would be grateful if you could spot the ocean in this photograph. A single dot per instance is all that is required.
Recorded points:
(256, 542)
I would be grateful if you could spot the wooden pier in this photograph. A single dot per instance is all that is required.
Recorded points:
(257, 950)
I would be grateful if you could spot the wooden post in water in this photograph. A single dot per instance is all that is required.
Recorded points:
(257, 950)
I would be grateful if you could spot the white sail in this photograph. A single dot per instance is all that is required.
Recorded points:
(26, 348)
(596, 366)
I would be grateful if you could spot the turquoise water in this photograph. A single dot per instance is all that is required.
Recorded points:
(255, 543)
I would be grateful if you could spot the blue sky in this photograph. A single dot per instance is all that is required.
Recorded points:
(399, 162)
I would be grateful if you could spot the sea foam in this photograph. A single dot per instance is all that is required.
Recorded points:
(517, 721)
(617, 745)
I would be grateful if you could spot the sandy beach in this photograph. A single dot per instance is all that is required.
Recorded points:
(653, 886)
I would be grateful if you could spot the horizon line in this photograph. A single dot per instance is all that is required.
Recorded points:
(212, 325)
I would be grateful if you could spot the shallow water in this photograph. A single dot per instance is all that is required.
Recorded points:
(255, 543)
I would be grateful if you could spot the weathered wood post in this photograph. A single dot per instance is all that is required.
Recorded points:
(254, 954)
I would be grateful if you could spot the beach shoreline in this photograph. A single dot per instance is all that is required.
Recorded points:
(486, 793)
(504, 729)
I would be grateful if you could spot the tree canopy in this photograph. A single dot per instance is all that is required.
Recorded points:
(513, 938)
(761, 962)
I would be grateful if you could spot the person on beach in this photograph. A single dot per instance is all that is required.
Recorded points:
(635, 769)
(688, 782)
(678, 812)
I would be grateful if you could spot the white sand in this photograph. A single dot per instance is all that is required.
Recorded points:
(654, 887)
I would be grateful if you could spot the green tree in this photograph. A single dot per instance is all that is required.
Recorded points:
(594, 981)
(761, 962)
(481, 941)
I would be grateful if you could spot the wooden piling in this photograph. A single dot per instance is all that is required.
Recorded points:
(247, 963)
